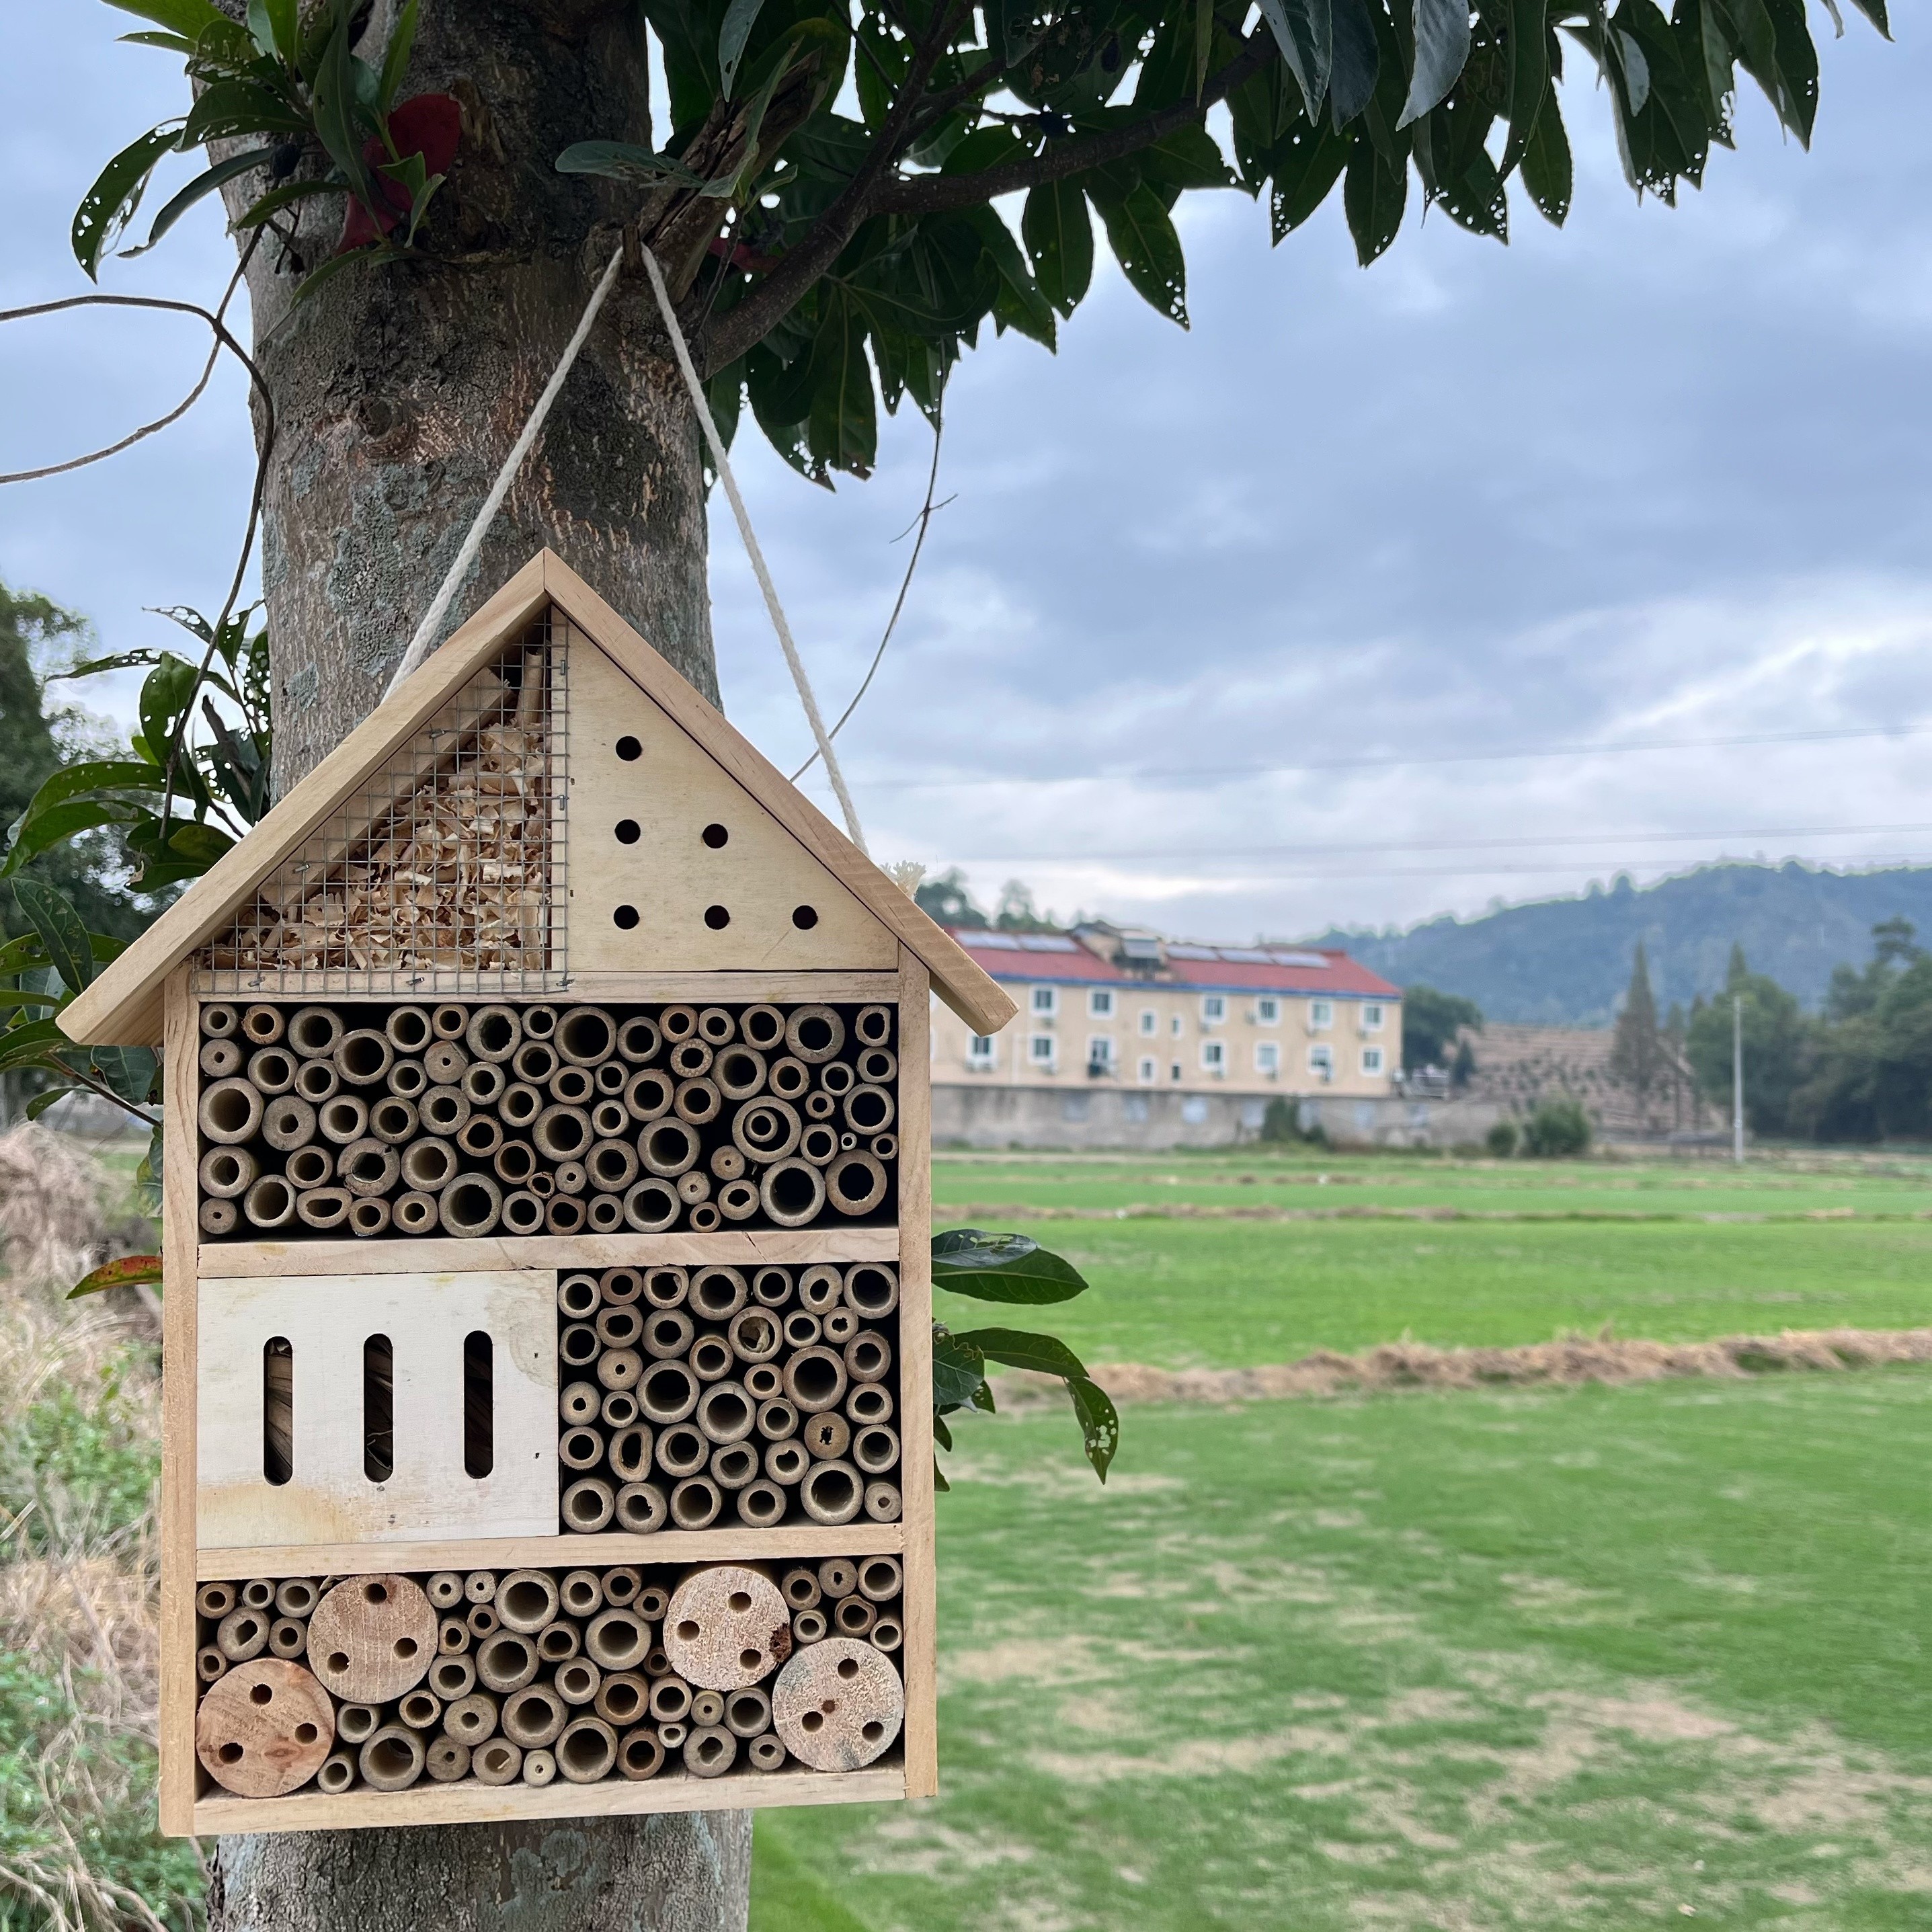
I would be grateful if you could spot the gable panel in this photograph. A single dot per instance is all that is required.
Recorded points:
(644, 875)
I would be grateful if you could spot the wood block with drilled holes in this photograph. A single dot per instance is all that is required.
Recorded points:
(727, 1627)
(372, 1638)
(838, 1704)
(264, 1729)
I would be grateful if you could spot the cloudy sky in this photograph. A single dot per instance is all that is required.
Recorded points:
(1324, 610)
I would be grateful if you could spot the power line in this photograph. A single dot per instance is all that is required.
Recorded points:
(1859, 862)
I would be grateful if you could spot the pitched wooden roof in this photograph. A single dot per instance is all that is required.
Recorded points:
(123, 1006)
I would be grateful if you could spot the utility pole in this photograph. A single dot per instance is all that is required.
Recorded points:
(1737, 1079)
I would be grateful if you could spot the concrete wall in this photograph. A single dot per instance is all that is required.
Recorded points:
(988, 1116)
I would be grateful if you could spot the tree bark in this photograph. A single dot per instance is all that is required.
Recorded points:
(398, 389)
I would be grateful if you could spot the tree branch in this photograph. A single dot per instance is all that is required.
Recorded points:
(775, 298)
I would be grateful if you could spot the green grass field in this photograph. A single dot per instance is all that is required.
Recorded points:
(1586, 1657)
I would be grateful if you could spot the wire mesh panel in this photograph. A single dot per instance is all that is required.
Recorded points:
(444, 869)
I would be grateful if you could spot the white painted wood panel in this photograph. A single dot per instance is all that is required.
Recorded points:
(326, 1319)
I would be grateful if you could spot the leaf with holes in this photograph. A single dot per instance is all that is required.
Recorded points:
(958, 1371)
(130, 1271)
(51, 915)
(1144, 244)
(111, 203)
(1002, 1267)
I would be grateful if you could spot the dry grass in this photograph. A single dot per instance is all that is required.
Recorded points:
(57, 1219)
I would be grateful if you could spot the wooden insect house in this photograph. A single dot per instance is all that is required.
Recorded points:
(547, 1378)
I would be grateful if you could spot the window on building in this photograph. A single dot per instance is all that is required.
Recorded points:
(1372, 1059)
(1045, 1001)
(1149, 1022)
(1268, 1058)
(1213, 1009)
(981, 1050)
(1173, 1071)
(1176, 1025)
(1149, 1070)
(1040, 1050)
(1214, 1056)
(1321, 1063)
(1320, 1014)
(1372, 1018)
(1268, 1013)
(1100, 1054)
(1100, 1003)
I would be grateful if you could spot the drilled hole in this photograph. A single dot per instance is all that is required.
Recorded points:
(624, 918)
(628, 831)
(717, 918)
(715, 836)
(629, 750)
(804, 917)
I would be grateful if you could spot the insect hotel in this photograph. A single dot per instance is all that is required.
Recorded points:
(547, 1382)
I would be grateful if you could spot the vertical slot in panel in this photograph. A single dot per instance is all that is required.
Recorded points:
(479, 1421)
(278, 1409)
(379, 1406)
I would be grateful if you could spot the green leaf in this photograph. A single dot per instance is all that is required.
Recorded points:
(1307, 165)
(226, 109)
(844, 420)
(1147, 249)
(277, 199)
(190, 18)
(129, 1271)
(1011, 1268)
(173, 44)
(110, 204)
(1017, 303)
(1442, 53)
(1304, 32)
(46, 1098)
(51, 915)
(331, 269)
(1358, 62)
(1044, 1354)
(1373, 195)
(128, 1071)
(1059, 235)
(337, 124)
(957, 1372)
(739, 18)
(63, 822)
(1528, 75)
(395, 56)
(19, 956)
(625, 161)
(1100, 1422)
(203, 183)
(1546, 168)
(35, 1044)
(941, 1434)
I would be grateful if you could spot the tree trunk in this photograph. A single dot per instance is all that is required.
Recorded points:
(398, 389)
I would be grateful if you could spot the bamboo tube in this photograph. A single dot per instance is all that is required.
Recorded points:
(766, 1753)
(727, 1163)
(587, 1505)
(452, 1636)
(885, 1147)
(707, 1707)
(343, 1119)
(515, 1162)
(499, 1762)
(571, 1177)
(788, 1079)
(576, 1297)
(739, 1072)
(678, 1022)
(214, 1600)
(442, 1110)
(483, 1083)
(357, 1723)
(641, 1508)
(393, 1119)
(579, 1448)
(587, 1750)
(481, 1618)
(479, 1136)
(771, 1287)
(734, 1466)
(444, 1589)
(802, 1329)
(230, 1112)
(532, 1716)
(445, 1063)
(631, 1452)
(778, 1419)
(761, 1505)
(755, 1335)
(611, 1077)
(748, 1712)
(619, 1327)
(831, 1493)
(855, 1184)
(263, 1729)
(576, 1682)
(793, 1193)
(710, 1752)
(322, 1208)
(407, 1079)
(868, 1110)
(813, 1033)
(259, 1593)
(697, 1102)
(469, 1206)
(887, 1633)
(877, 1065)
(505, 1661)
(876, 1449)
(717, 1293)
(837, 1079)
(841, 1326)
(819, 1106)
(533, 1063)
(392, 1760)
(809, 1627)
(873, 1026)
(578, 1345)
(838, 1576)
(710, 1358)
(668, 1334)
(479, 1586)
(288, 1123)
(585, 1035)
(691, 1060)
(367, 1219)
(670, 1700)
(558, 1642)
(693, 1186)
(854, 1617)
(814, 1379)
(869, 1402)
(218, 1020)
(766, 1129)
(448, 1021)
(884, 1502)
(671, 1736)
(704, 1218)
(682, 1450)
(695, 1503)
(372, 1638)
(763, 1381)
(580, 1401)
(367, 1166)
(451, 1678)
(619, 1409)
(652, 1206)
(523, 1213)
(638, 1040)
(799, 1587)
(581, 1594)
(571, 1086)
(269, 1203)
(562, 1133)
(519, 1105)
(363, 1057)
(617, 1639)
(564, 1214)
(666, 1287)
(445, 1760)
(221, 1059)
(618, 1368)
(717, 1025)
(613, 1165)
(493, 1033)
(471, 1718)
(826, 1436)
(648, 1096)
(415, 1212)
(539, 1768)
(336, 1775)
(420, 1710)
(241, 1634)
(311, 1166)
(314, 1032)
(818, 1143)
(868, 1356)
(871, 1289)
(217, 1217)
(526, 1599)
(407, 1029)
(838, 1705)
(725, 1413)
(316, 1080)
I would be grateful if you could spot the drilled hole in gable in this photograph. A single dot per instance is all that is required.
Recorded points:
(624, 918)
(629, 750)
(715, 836)
(627, 832)
(717, 918)
(804, 917)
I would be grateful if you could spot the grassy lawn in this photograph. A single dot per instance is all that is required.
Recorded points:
(1579, 1658)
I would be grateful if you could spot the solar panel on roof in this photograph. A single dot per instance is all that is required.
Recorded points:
(1191, 952)
(1046, 942)
(995, 942)
(1318, 959)
(1237, 955)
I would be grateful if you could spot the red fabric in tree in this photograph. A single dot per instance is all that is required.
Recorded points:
(428, 124)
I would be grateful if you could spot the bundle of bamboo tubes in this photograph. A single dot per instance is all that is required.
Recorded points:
(686, 1390)
(465, 1120)
(529, 1675)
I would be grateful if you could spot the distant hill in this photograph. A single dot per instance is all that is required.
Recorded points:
(1565, 962)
